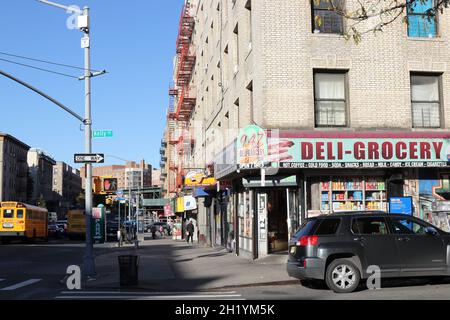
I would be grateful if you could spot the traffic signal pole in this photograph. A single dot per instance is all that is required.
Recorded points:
(84, 26)
(89, 264)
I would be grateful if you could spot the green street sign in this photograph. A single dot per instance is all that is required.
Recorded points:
(102, 134)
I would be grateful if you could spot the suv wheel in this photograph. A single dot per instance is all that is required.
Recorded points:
(342, 276)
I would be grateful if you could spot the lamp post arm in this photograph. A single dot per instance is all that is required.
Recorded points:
(46, 96)
(57, 5)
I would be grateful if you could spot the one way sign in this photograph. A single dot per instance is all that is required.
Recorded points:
(89, 158)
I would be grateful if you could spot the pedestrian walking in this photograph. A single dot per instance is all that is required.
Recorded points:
(161, 230)
(153, 230)
(190, 232)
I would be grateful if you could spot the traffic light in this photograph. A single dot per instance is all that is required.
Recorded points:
(109, 185)
(97, 185)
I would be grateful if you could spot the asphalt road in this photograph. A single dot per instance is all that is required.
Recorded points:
(36, 271)
(392, 289)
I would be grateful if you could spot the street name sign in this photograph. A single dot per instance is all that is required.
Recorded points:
(102, 134)
(89, 158)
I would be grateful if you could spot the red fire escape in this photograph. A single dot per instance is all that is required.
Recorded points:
(182, 101)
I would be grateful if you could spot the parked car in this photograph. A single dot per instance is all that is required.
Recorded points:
(62, 224)
(158, 225)
(339, 248)
(55, 230)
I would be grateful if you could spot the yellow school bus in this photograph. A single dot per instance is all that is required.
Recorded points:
(20, 220)
(76, 224)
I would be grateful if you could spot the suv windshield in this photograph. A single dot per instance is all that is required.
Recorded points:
(8, 213)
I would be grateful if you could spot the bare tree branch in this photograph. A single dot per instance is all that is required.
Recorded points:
(360, 15)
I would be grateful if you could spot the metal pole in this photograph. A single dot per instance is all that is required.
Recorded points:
(129, 192)
(46, 96)
(118, 229)
(136, 240)
(89, 264)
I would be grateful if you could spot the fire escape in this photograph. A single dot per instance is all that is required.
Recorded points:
(182, 100)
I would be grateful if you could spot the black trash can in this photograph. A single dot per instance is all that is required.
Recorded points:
(128, 266)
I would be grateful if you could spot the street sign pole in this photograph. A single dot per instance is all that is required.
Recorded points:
(118, 229)
(89, 263)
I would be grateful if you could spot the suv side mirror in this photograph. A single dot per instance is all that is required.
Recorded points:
(431, 231)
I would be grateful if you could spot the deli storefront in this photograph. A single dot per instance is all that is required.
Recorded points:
(283, 177)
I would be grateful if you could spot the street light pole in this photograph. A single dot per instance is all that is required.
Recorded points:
(89, 264)
(84, 26)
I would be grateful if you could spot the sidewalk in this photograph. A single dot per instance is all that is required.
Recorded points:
(174, 265)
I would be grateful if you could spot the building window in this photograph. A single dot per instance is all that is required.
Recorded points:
(425, 101)
(420, 23)
(330, 99)
(236, 48)
(248, 6)
(325, 19)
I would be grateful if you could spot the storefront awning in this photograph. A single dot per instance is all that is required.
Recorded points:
(200, 193)
(255, 182)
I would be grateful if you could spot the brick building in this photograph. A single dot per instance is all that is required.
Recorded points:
(40, 166)
(13, 169)
(132, 173)
(328, 115)
(66, 187)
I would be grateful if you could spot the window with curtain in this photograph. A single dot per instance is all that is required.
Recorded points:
(330, 99)
(425, 100)
(326, 20)
(419, 23)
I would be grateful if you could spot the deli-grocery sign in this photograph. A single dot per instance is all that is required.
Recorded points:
(329, 153)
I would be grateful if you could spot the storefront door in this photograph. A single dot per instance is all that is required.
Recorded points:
(293, 214)
(263, 245)
(278, 219)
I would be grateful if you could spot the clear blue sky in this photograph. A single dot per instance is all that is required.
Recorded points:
(132, 39)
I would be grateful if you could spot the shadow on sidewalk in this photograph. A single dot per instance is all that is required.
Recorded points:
(167, 265)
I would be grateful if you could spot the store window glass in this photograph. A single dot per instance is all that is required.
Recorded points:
(422, 22)
(425, 100)
(346, 193)
(330, 99)
(325, 18)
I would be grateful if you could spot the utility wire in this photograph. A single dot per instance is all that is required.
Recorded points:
(37, 68)
(45, 61)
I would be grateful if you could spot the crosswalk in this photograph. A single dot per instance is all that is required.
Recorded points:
(124, 295)
(11, 288)
(12, 285)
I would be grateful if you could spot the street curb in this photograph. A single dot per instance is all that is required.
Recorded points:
(260, 284)
(249, 285)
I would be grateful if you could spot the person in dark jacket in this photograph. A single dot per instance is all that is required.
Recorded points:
(190, 232)
(153, 230)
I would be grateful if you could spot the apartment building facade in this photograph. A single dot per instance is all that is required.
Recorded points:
(67, 187)
(131, 174)
(40, 166)
(13, 169)
(294, 121)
